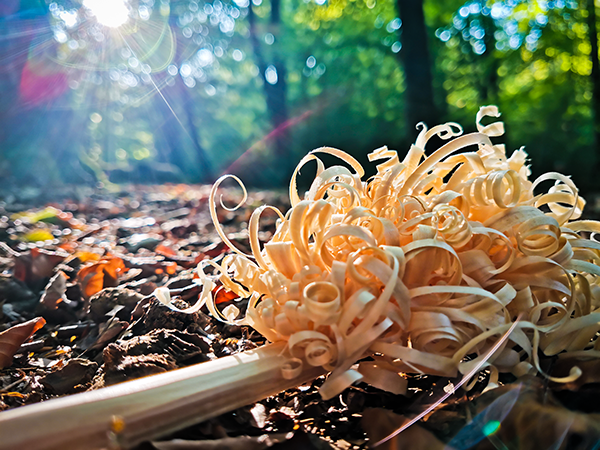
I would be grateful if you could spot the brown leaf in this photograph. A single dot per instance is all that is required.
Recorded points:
(11, 339)
(109, 333)
(103, 302)
(64, 379)
(54, 292)
(95, 277)
(212, 251)
(37, 264)
(180, 345)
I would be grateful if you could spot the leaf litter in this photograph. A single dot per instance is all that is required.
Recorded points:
(89, 264)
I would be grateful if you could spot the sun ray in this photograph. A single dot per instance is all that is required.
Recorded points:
(159, 92)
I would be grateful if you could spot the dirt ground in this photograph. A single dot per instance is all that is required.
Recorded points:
(87, 262)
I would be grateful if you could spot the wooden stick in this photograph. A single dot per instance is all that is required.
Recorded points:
(126, 414)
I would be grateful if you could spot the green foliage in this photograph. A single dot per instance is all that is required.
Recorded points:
(344, 71)
(180, 81)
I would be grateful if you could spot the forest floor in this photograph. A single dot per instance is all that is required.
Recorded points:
(88, 261)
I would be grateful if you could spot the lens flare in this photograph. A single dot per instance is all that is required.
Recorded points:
(110, 13)
(491, 427)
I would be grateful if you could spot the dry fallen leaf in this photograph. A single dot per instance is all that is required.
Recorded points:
(97, 276)
(64, 379)
(37, 264)
(222, 296)
(11, 339)
(54, 293)
(111, 331)
(85, 257)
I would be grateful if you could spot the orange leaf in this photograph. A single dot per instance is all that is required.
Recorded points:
(13, 394)
(85, 257)
(164, 250)
(97, 276)
(222, 296)
(11, 339)
(67, 246)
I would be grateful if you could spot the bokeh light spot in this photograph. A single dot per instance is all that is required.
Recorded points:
(141, 153)
(95, 117)
(210, 90)
(271, 75)
(238, 55)
(172, 69)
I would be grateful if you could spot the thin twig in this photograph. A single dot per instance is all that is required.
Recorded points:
(13, 384)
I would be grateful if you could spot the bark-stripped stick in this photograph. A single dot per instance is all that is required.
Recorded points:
(126, 414)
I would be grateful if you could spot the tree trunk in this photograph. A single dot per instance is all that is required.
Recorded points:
(173, 129)
(593, 37)
(169, 132)
(206, 171)
(275, 90)
(415, 58)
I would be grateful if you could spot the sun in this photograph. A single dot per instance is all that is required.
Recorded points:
(110, 13)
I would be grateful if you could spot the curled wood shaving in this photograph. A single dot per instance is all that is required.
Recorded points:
(426, 263)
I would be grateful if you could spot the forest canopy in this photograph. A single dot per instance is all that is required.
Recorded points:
(119, 91)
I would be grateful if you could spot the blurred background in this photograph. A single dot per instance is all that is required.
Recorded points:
(153, 91)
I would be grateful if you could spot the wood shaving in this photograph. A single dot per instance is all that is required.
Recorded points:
(423, 264)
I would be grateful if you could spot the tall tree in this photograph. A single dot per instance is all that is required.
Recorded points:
(273, 74)
(206, 170)
(595, 75)
(416, 61)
